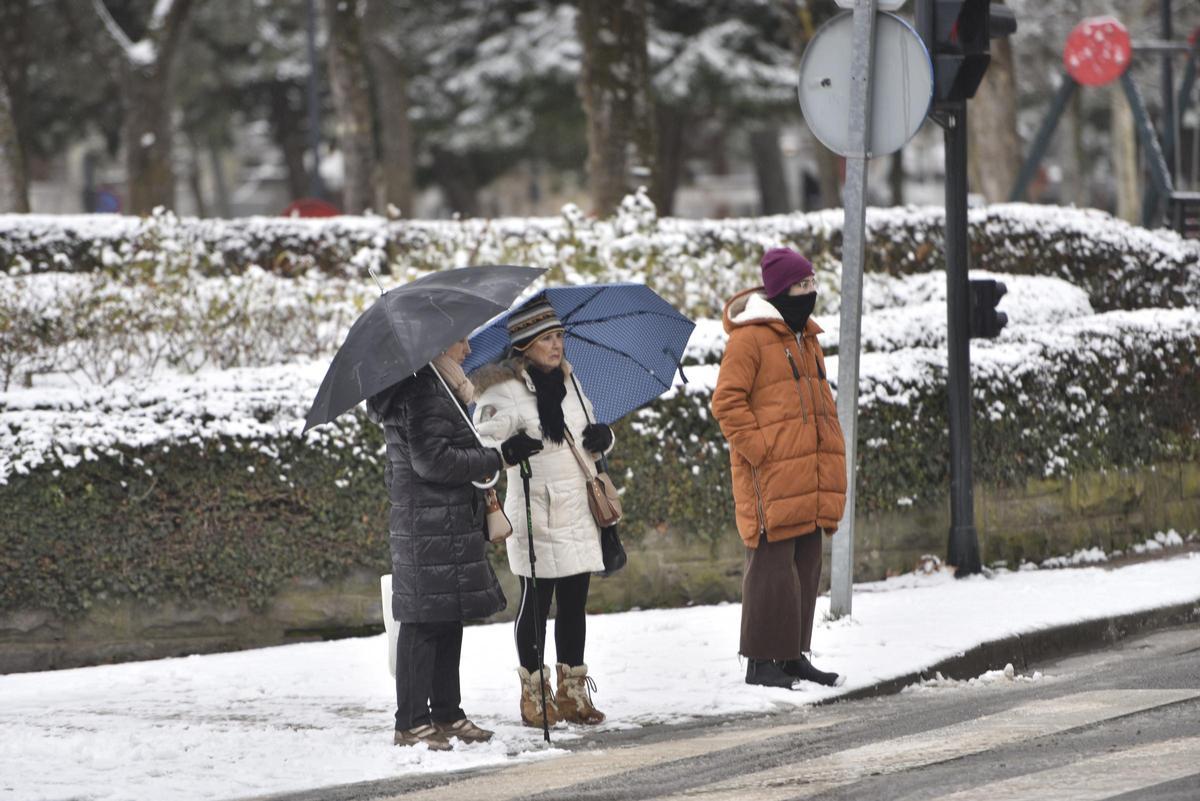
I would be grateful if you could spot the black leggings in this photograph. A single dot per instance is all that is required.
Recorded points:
(570, 620)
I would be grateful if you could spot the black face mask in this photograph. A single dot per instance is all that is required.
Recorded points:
(795, 309)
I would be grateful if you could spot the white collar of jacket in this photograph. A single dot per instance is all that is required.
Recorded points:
(515, 368)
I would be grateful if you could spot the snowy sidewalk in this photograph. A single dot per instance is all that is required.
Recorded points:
(303, 716)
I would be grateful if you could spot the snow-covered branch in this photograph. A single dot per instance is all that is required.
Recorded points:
(118, 35)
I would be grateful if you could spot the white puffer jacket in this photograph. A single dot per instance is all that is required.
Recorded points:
(565, 537)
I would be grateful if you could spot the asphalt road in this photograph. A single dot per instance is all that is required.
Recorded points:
(1118, 723)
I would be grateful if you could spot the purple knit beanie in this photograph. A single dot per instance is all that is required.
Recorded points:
(782, 267)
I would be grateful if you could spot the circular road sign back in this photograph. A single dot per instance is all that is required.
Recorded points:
(902, 84)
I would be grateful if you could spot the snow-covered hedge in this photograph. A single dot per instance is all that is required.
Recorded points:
(200, 486)
(694, 263)
(1111, 390)
(104, 327)
(157, 453)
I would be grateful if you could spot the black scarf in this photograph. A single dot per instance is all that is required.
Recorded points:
(795, 309)
(550, 389)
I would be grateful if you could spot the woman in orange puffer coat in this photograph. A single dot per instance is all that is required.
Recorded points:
(788, 459)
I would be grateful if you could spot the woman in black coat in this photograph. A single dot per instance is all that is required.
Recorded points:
(438, 538)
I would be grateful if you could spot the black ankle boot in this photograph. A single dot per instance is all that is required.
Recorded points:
(802, 669)
(767, 673)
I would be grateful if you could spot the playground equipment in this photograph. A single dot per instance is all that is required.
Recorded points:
(1099, 51)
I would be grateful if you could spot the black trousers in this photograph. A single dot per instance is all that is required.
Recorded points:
(427, 688)
(570, 622)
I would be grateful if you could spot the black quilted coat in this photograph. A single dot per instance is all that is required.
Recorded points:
(437, 524)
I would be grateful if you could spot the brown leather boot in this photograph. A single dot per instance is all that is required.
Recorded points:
(531, 698)
(574, 696)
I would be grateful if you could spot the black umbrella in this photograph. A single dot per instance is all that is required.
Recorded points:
(407, 327)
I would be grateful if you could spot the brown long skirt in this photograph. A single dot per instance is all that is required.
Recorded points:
(779, 597)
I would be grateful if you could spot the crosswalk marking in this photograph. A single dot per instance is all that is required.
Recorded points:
(1097, 778)
(589, 766)
(809, 777)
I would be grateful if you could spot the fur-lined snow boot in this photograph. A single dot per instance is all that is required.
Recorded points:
(574, 696)
(531, 698)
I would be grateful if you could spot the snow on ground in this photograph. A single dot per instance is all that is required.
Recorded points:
(304, 716)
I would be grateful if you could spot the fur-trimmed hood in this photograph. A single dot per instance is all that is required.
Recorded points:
(751, 307)
(514, 368)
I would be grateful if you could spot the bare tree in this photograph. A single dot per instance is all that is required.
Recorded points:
(802, 21)
(672, 125)
(615, 86)
(146, 67)
(994, 144)
(1125, 156)
(14, 66)
(14, 196)
(389, 79)
(352, 103)
(768, 170)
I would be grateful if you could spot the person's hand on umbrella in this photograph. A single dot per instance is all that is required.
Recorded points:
(519, 447)
(597, 437)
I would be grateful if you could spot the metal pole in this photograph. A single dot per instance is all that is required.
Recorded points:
(1160, 175)
(1150, 197)
(963, 551)
(1168, 87)
(314, 111)
(1041, 142)
(862, 63)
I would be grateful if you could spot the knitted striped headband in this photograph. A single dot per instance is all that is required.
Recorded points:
(531, 321)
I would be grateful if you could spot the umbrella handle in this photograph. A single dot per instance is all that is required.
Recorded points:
(491, 482)
(487, 485)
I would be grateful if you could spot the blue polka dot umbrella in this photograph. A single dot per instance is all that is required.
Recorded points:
(623, 340)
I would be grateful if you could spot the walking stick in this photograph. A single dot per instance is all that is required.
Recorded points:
(526, 474)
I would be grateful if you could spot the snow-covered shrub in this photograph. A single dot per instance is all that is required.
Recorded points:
(1100, 392)
(188, 487)
(696, 264)
(104, 327)
(910, 311)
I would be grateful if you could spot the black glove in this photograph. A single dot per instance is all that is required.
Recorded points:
(519, 447)
(597, 437)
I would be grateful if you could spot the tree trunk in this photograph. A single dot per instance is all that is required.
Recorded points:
(458, 182)
(1125, 156)
(896, 177)
(146, 96)
(13, 194)
(287, 127)
(768, 170)
(352, 104)
(14, 133)
(994, 145)
(147, 135)
(1074, 167)
(672, 123)
(194, 177)
(390, 83)
(615, 86)
(220, 185)
(829, 173)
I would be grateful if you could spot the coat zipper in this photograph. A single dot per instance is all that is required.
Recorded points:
(796, 377)
(762, 518)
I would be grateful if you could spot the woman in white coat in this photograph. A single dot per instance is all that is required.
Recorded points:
(535, 392)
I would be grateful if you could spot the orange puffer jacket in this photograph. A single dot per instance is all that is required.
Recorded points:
(775, 407)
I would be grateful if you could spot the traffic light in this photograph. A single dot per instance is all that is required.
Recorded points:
(986, 321)
(957, 34)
